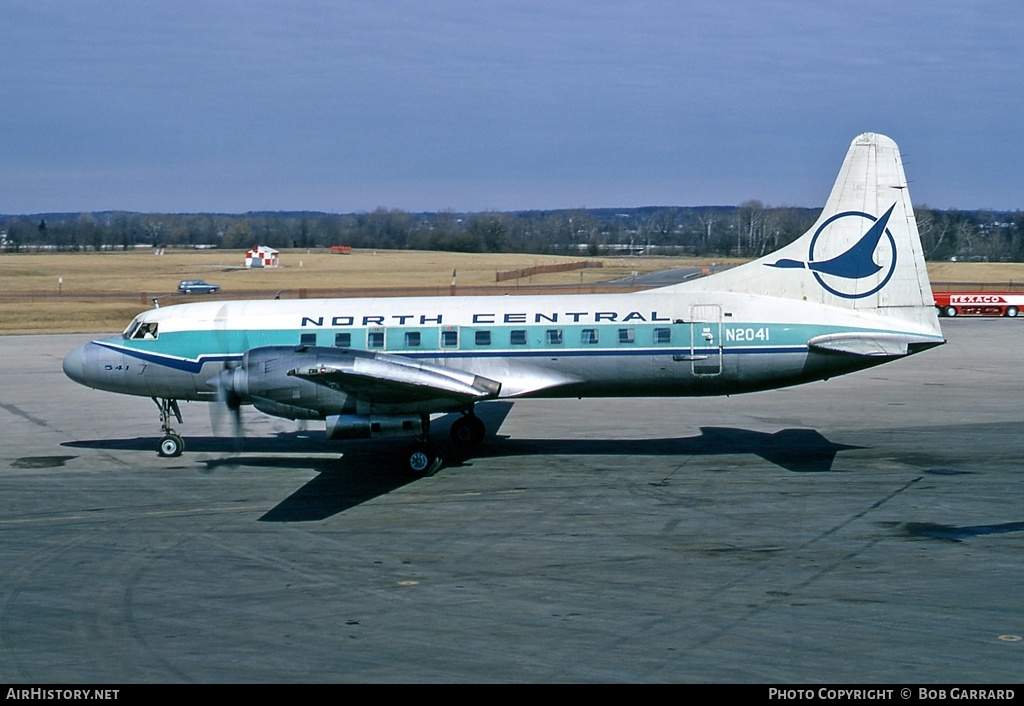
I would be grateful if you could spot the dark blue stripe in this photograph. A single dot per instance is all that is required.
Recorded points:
(184, 365)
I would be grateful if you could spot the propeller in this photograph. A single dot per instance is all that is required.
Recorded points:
(228, 405)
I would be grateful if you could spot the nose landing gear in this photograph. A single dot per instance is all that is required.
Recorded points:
(171, 444)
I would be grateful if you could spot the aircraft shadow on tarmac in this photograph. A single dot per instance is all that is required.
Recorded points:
(360, 473)
(952, 533)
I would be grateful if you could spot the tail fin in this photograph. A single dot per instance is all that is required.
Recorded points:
(864, 251)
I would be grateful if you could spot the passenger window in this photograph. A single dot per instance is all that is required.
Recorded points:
(627, 335)
(449, 339)
(307, 339)
(412, 339)
(662, 335)
(375, 339)
(554, 336)
(517, 337)
(343, 340)
(588, 336)
(483, 338)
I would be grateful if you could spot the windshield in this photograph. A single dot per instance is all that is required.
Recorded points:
(131, 327)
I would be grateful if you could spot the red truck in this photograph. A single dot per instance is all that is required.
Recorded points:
(979, 303)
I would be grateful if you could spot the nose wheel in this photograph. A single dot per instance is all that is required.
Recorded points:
(171, 444)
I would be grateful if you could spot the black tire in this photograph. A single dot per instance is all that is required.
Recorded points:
(1012, 311)
(467, 432)
(171, 446)
(420, 459)
(951, 311)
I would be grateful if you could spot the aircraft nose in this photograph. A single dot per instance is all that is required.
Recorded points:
(74, 364)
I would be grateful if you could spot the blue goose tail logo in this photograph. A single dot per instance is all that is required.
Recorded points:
(852, 273)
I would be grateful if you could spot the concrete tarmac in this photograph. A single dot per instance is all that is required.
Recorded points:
(868, 529)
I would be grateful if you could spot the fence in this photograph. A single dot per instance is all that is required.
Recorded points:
(546, 269)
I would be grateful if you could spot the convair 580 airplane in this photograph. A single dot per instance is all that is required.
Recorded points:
(850, 293)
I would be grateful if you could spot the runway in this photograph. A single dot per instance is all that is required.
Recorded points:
(865, 529)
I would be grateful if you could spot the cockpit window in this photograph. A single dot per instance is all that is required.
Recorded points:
(127, 334)
(145, 332)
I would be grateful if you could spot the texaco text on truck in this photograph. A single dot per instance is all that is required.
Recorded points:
(979, 303)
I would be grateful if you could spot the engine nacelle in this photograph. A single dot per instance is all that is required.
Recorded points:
(315, 383)
(263, 380)
(358, 426)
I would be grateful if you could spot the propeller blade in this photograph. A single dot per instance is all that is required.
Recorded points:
(227, 405)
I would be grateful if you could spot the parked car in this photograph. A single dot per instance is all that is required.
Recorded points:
(197, 286)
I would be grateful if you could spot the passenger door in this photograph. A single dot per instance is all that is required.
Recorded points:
(706, 339)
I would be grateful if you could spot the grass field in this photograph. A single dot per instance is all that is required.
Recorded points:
(97, 292)
(94, 292)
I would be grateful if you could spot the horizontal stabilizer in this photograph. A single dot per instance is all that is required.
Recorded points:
(383, 378)
(871, 344)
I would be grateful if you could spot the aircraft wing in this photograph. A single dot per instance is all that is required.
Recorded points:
(874, 344)
(384, 378)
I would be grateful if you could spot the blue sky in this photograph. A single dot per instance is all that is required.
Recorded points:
(436, 105)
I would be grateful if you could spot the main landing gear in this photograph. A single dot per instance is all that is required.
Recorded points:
(171, 444)
(467, 431)
(421, 458)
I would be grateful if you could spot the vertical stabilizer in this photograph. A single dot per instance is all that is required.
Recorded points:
(864, 251)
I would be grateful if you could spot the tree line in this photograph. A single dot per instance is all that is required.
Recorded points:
(749, 230)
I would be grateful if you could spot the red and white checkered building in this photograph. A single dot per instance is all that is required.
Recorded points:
(261, 257)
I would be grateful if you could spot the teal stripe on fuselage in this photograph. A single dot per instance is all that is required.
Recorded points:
(193, 347)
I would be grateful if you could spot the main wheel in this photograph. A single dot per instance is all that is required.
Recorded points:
(420, 459)
(467, 431)
(171, 445)
(1011, 311)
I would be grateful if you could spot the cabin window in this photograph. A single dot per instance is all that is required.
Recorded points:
(517, 337)
(663, 335)
(482, 338)
(412, 339)
(627, 335)
(343, 340)
(375, 339)
(554, 336)
(588, 336)
(307, 339)
(449, 339)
